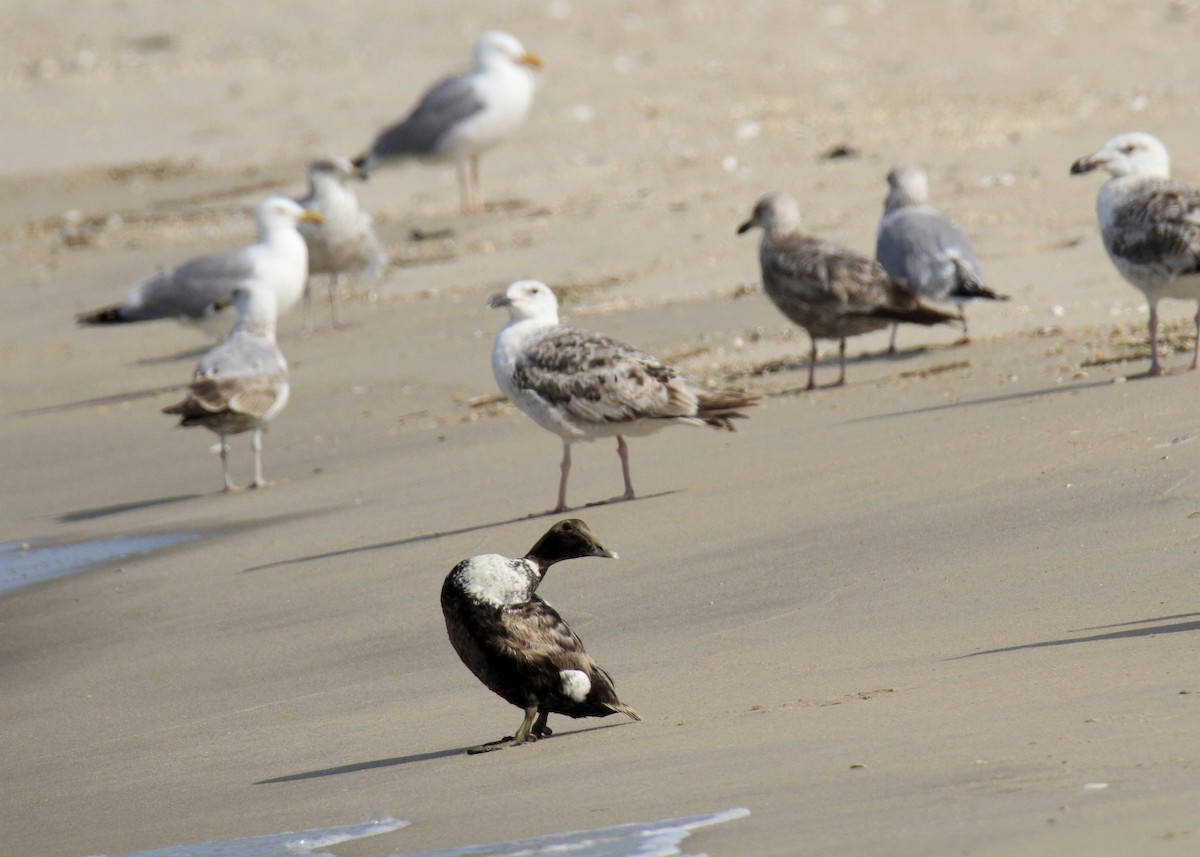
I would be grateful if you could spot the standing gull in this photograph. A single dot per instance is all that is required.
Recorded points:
(242, 383)
(188, 293)
(916, 244)
(1150, 225)
(518, 645)
(583, 385)
(344, 242)
(462, 116)
(828, 290)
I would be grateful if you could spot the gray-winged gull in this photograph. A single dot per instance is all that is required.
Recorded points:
(916, 244)
(241, 384)
(462, 116)
(344, 242)
(831, 292)
(189, 292)
(582, 385)
(1150, 225)
(518, 645)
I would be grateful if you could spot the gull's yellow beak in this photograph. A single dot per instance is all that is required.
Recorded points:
(531, 60)
(310, 216)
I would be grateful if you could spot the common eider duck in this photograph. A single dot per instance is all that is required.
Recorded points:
(1150, 225)
(918, 245)
(583, 385)
(241, 384)
(518, 645)
(831, 292)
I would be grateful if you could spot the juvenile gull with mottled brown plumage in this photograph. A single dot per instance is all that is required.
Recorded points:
(241, 384)
(518, 645)
(1150, 225)
(582, 385)
(831, 292)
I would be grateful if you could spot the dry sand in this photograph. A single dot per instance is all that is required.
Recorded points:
(929, 613)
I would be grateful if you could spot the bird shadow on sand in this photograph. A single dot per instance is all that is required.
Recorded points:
(1120, 631)
(186, 354)
(101, 401)
(441, 534)
(356, 767)
(1045, 392)
(119, 508)
(798, 365)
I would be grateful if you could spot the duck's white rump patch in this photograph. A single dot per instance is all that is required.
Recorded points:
(575, 684)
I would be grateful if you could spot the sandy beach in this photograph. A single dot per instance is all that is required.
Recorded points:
(943, 610)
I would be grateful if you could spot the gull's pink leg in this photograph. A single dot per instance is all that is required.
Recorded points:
(230, 488)
(623, 452)
(259, 481)
(1155, 366)
(464, 189)
(308, 311)
(1196, 350)
(476, 186)
(562, 485)
(334, 307)
(962, 318)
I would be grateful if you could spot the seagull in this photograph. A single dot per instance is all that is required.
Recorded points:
(828, 290)
(191, 292)
(462, 116)
(1150, 225)
(242, 383)
(916, 244)
(344, 242)
(518, 645)
(582, 385)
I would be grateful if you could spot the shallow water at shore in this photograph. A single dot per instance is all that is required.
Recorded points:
(639, 839)
(22, 564)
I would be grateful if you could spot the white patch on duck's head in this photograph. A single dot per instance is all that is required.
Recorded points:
(575, 684)
(497, 580)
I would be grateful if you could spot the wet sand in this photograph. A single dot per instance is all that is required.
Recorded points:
(945, 609)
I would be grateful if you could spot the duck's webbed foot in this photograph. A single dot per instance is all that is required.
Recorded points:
(503, 743)
(526, 733)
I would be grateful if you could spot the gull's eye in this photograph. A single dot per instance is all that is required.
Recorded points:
(1129, 148)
